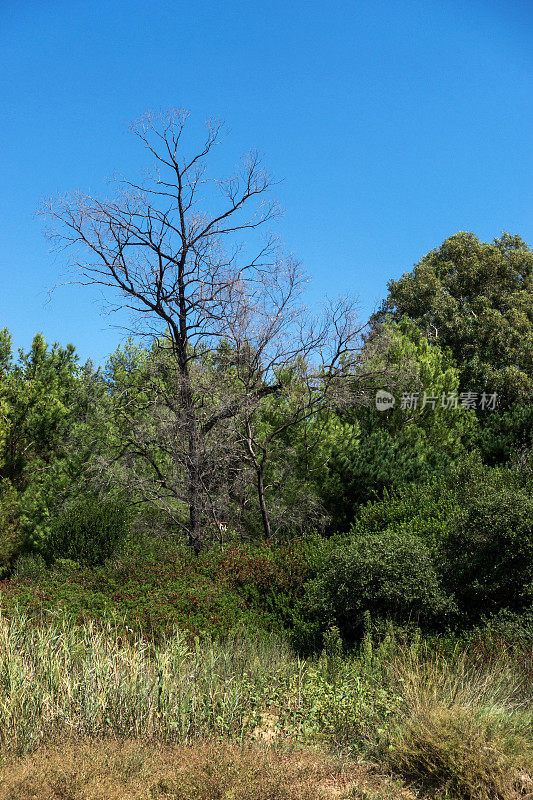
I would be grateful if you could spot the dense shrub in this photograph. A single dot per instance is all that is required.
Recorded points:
(88, 530)
(11, 539)
(505, 433)
(154, 603)
(489, 551)
(269, 577)
(478, 523)
(390, 575)
(155, 586)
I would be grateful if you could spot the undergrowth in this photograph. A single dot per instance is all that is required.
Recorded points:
(444, 722)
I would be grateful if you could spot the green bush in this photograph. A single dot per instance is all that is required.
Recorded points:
(503, 434)
(269, 577)
(155, 586)
(489, 550)
(11, 538)
(88, 531)
(478, 523)
(391, 575)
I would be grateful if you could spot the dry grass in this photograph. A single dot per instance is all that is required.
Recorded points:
(463, 733)
(131, 770)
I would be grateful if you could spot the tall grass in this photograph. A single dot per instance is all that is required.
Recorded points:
(91, 681)
(443, 722)
(463, 730)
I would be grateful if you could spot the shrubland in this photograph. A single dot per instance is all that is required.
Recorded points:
(352, 611)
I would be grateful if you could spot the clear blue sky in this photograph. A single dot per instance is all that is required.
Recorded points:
(393, 123)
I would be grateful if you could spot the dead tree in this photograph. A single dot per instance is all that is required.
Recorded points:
(187, 277)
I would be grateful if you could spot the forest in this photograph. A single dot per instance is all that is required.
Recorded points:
(260, 521)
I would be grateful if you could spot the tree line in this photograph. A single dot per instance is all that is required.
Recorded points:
(234, 405)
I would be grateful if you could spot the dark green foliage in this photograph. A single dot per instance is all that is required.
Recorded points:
(478, 523)
(378, 462)
(11, 537)
(43, 405)
(391, 575)
(505, 434)
(489, 551)
(477, 299)
(88, 530)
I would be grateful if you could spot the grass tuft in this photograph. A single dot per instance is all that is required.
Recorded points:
(463, 733)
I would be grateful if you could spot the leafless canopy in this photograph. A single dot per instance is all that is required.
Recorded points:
(197, 276)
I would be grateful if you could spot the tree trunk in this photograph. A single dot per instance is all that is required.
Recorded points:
(195, 516)
(262, 503)
(193, 466)
(259, 467)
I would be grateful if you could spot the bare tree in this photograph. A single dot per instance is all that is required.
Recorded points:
(193, 285)
(183, 270)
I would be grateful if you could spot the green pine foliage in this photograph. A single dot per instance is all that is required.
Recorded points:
(423, 510)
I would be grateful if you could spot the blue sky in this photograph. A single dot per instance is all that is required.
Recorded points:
(393, 124)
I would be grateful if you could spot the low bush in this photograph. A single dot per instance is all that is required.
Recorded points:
(88, 530)
(155, 585)
(390, 575)
(462, 754)
(268, 577)
(154, 600)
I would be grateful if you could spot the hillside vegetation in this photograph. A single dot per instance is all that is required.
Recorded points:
(324, 598)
